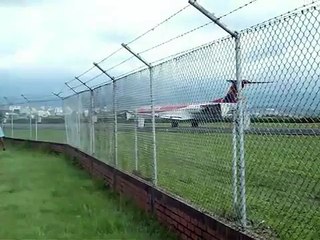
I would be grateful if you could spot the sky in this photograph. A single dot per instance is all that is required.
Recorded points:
(45, 43)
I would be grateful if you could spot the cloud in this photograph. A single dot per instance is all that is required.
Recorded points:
(19, 3)
(42, 39)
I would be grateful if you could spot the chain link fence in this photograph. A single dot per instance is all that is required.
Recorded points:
(244, 150)
(282, 147)
(36, 120)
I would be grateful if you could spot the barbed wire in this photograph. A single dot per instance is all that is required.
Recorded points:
(165, 42)
(138, 69)
(167, 58)
(95, 77)
(90, 80)
(237, 9)
(162, 43)
(117, 65)
(196, 28)
(175, 55)
(110, 55)
(176, 37)
(159, 24)
(29, 96)
(146, 32)
(101, 84)
(85, 72)
(21, 102)
(281, 16)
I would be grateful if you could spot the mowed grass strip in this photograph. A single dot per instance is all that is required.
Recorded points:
(43, 196)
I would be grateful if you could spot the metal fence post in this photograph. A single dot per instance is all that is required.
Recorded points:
(115, 123)
(136, 159)
(114, 104)
(79, 122)
(7, 100)
(234, 163)
(91, 116)
(92, 120)
(12, 125)
(154, 144)
(111, 144)
(64, 118)
(238, 133)
(36, 127)
(242, 190)
(30, 125)
(79, 117)
(30, 116)
(66, 127)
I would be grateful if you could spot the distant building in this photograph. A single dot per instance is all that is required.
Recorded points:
(58, 111)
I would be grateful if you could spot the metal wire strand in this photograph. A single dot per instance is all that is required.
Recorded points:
(146, 32)
(162, 43)
(196, 28)
(159, 24)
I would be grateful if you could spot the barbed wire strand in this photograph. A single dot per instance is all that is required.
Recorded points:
(182, 34)
(16, 101)
(196, 28)
(159, 24)
(146, 32)
(167, 41)
(130, 72)
(93, 78)
(208, 23)
(176, 37)
(110, 55)
(282, 15)
(85, 72)
(237, 9)
(160, 44)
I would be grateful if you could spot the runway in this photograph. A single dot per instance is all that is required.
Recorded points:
(129, 127)
(256, 131)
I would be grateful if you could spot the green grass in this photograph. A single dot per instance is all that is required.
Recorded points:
(282, 175)
(43, 196)
(49, 135)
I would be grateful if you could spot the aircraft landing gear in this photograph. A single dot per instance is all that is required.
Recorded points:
(194, 123)
(174, 124)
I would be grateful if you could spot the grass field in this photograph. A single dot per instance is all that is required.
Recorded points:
(282, 175)
(44, 197)
(43, 134)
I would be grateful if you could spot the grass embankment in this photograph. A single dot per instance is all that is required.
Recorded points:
(43, 196)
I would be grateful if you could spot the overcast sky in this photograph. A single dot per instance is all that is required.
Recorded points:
(44, 43)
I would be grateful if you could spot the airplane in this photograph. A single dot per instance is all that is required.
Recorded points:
(201, 112)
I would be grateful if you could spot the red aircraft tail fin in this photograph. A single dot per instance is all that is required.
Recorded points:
(232, 93)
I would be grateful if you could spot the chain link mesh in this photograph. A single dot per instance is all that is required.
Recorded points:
(196, 119)
(104, 123)
(43, 121)
(134, 143)
(282, 145)
(194, 152)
